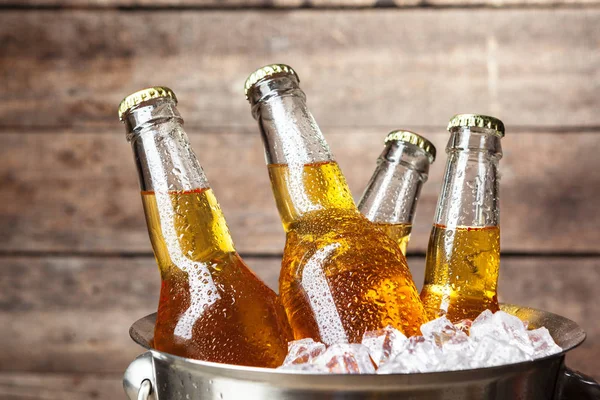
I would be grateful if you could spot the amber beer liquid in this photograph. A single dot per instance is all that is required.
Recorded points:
(391, 197)
(474, 259)
(212, 307)
(463, 256)
(340, 275)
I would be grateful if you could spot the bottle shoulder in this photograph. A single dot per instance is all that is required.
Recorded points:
(340, 241)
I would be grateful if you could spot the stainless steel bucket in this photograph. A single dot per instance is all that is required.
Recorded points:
(160, 376)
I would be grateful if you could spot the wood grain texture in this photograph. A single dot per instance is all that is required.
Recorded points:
(64, 192)
(410, 67)
(291, 4)
(71, 314)
(32, 386)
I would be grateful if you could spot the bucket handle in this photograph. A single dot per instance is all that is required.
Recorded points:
(138, 380)
(573, 385)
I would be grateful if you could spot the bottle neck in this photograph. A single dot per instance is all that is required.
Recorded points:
(163, 155)
(289, 131)
(304, 175)
(393, 191)
(470, 193)
(169, 171)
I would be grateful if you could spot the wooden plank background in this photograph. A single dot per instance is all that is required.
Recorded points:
(412, 66)
(76, 267)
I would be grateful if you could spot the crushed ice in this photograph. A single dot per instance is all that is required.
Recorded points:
(492, 339)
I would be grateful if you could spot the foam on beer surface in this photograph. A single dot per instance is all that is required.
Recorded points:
(491, 339)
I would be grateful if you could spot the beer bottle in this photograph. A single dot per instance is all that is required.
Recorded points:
(390, 198)
(212, 307)
(340, 275)
(463, 256)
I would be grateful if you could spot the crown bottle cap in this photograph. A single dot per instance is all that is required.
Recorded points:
(140, 96)
(477, 120)
(265, 72)
(412, 138)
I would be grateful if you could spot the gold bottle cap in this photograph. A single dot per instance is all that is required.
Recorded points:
(477, 120)
(266, 71)
(412, 138)
(144, 95)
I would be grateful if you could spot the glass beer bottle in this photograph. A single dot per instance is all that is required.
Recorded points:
(212, 306)
(340, 275)
(390, 199)
(463, 257)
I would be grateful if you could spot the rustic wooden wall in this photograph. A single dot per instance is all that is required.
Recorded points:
(75, 263)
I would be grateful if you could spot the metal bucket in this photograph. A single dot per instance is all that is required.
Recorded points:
(160, 376)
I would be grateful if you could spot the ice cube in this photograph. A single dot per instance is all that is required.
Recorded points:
(391, 367)
(419, 355)
(384, 344)
(542, 343)
(490, 352)
(343, 358)
(441, 330)
(502, 327)
(490, 340)
(303, 351)
(483, 317)
(440, 325)
(464, 325)
(457, 353)
(460, 342)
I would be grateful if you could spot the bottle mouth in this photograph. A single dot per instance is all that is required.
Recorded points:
(149, 114)
(408, 156)
(265, 72)
(272, 87)
(404, 136)
(475, 139)
(476, 131)
(141, 96)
